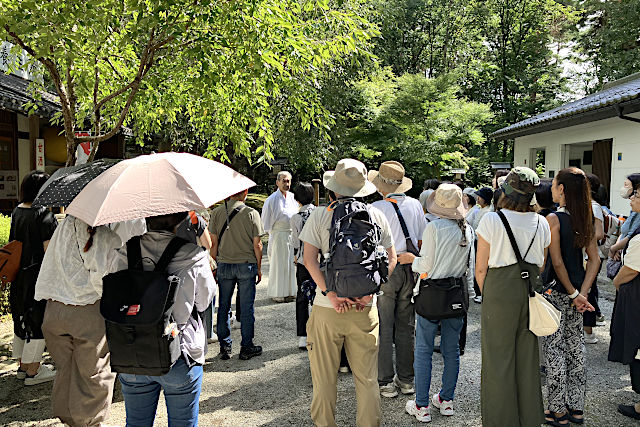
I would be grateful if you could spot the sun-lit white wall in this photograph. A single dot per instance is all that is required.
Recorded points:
(625, 156)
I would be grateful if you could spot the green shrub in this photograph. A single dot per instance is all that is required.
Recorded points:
(5, 225)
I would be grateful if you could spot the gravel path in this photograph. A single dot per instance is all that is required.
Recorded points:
(275, 388)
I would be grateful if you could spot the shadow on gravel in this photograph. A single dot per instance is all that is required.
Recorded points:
(22, 403)
(214, 364)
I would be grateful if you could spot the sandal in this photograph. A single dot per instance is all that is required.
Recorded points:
(572, 413)
(553, 420)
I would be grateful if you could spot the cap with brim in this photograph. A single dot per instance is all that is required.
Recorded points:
(447, 202)
(390, 178)
(486, 193)
(349, 179)
(520, 185)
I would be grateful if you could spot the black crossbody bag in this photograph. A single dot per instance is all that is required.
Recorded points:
(443, 298)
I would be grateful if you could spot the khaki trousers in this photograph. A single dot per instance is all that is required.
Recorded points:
(327, 331)
(76, 340)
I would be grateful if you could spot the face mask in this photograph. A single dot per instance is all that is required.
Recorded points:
(625, 192)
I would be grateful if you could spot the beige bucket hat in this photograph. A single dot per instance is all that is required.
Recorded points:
(447, 202)
(349, 179)
(390, 178)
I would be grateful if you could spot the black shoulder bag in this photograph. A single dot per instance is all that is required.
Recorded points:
(443, 298)
(411, 248)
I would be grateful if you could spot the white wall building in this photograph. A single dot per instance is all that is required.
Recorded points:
(599, 134)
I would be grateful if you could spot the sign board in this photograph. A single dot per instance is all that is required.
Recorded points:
(83, 151)
(8, 184)
(40, 163)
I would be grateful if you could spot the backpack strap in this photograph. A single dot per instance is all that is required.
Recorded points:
(232, 215)
(523, 271)
(134, 253)
(170, 251)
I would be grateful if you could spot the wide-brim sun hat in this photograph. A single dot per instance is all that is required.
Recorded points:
(349, 179)
(447, 202)
(390, 178)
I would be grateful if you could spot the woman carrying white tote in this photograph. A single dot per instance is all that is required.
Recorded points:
(511, 391)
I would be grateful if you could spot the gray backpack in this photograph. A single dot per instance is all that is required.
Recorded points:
(356, 265)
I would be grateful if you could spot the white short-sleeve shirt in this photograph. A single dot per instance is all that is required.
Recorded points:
(523, 225)
(632, 257)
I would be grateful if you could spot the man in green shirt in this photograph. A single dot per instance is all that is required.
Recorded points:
(235, 245)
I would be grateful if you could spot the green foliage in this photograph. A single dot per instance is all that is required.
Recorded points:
(609, 38)
(223, 66)
(420, 121)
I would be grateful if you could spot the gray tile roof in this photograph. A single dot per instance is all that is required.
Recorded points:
(15, 93)
(624, 90)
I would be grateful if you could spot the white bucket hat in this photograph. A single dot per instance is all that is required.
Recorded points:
(349, 179)
(447, 202)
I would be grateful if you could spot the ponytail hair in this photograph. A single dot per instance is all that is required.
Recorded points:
(462, 224)
(91, 231)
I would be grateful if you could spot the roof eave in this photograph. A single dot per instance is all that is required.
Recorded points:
(606, 112)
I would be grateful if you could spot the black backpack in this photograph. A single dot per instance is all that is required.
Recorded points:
(356, 265)
(137, 307)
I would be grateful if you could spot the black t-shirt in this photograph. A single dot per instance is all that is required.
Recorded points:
(32, 227)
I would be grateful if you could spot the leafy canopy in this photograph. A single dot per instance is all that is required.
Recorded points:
(219, 64)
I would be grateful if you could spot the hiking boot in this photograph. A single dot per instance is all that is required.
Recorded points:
(225, 353)
(388, 390)
(445, 406)
(405, 388)
(45, 374)
(421, 414)
(600, 320)
(247, 353)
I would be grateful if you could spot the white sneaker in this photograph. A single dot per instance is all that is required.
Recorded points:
(343, 369)
(302, 342)
(45, 373)
(235, 324)
(404, 387)
(213, 339)
(445, 406)
(478, 299)
(421, 414)
(590, 338)
(600, 321)
(388, 390)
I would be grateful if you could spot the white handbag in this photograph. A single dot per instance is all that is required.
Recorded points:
(544, 318)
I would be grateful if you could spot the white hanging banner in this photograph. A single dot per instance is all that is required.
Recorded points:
(83, 150)
(40, 155)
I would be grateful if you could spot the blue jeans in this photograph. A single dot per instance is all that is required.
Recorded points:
(244, 275)
(181, 392)
(425, 337)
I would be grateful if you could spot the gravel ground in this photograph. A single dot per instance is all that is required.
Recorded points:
(275, 388)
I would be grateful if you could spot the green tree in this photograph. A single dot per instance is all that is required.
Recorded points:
(518, 74)
(428, 36)
(610, 38)
(219, 64)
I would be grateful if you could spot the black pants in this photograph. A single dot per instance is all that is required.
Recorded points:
(302, 304)
(475, 284)
(635, 375)
(589, 317)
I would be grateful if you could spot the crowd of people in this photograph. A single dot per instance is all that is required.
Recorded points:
(431, 256)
